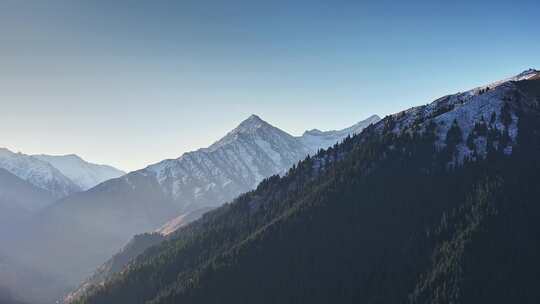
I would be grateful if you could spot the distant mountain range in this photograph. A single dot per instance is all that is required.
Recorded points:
(60, 175)
(84, 174)
(29, 184)
(37, 172)
(98, 221)
(435, 204)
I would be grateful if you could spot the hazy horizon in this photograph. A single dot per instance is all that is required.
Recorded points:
(130, 85)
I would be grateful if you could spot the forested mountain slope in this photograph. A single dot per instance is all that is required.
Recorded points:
(83, 230)
(437, 204)
(196, 181)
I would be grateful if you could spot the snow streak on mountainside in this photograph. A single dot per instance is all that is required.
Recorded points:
(239, 161)
(234, 164)
(37, 172)
(84, 174)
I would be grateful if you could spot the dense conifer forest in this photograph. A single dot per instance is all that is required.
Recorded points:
(383, 217)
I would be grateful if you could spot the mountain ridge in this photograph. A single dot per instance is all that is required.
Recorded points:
(84, 174)
(368, 216)
(61, 175)
(39, 173)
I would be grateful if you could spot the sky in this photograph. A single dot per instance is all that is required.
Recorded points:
(129, 83)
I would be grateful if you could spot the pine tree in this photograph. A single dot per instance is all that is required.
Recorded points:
(453, 138)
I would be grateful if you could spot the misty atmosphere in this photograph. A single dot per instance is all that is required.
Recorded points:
(269, 152)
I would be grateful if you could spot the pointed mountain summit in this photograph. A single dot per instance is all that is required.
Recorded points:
(252, 122)
(249, 125)
(255, 129)
(234, 164)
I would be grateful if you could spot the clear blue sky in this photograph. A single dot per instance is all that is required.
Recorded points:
(132, 82)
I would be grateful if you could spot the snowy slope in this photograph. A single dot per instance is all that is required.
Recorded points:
(492, 106)
(236, 163)
(239, 161)
(316, 139)
(37, 172)
(84, 174)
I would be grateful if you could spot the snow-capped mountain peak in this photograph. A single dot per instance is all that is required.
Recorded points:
(237, 162)
(59, 175)
(252, 122)
(37, 172)
(84, 174)
(251, 126)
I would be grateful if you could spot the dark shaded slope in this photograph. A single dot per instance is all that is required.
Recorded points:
(135, 247)
(7, 298)
(222, 228)
(386, 221)
(486, 250)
